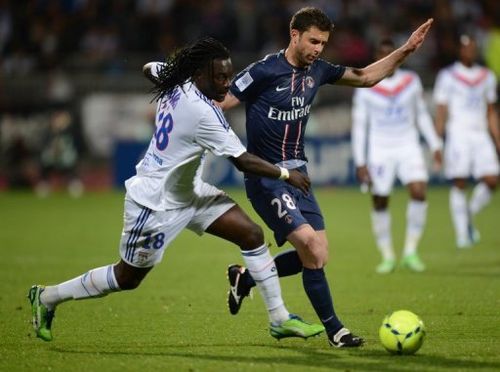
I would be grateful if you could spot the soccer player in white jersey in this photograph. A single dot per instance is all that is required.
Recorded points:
(167, 193)
(465, 97)
(385, 143)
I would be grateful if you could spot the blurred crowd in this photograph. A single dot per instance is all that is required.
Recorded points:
(55, 53)
(40, 35)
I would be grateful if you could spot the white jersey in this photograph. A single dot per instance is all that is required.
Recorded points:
(386, 116)
(187, 125)
(466, 91)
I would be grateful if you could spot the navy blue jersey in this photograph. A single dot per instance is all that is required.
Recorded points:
(278, 99)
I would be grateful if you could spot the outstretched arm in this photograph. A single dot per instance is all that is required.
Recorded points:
(373, 73)
(250, 163)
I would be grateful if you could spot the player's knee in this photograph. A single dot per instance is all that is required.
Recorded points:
(127, 280)
(460, 183)
(380, 203)
(418, 196)
(491, 182)
(129, 283)
(253, 238)
(317, 253)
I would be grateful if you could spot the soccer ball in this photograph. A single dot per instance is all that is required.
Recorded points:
(402, 332)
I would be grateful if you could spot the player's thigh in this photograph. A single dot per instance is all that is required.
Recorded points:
(147, 233)
(382, 167)
(279, 209)
(485, 159)
(411, 166)
(457, 157)
(235, 226)
(210, 204)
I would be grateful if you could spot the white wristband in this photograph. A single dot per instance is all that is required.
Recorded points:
(284, 174)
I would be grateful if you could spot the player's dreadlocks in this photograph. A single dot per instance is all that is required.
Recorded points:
(186, 61)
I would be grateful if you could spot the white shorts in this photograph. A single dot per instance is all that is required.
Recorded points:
(468, 155)
(405, 163)
(147, 233)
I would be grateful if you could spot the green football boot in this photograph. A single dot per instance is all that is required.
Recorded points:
(413, 262)
(386, 267)
(295, 327)
(42, 317)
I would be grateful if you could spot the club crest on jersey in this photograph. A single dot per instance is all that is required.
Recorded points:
(310, 82)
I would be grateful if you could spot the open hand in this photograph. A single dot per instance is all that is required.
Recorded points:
(438, 160)
(299, 180)
(418, 36)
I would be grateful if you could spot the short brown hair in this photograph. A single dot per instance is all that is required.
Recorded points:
(307, 17)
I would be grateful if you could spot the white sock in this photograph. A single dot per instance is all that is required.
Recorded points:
(416, 216)
(94, 283)
(481, 196)
(381, 225)
(261, 266)
(458, 208)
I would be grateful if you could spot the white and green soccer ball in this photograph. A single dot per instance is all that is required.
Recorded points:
(402, 332)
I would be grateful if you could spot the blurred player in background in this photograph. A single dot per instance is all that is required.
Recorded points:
(167, 194)
(386, 145)
(465, 95)
(278, 92)
(60, 155)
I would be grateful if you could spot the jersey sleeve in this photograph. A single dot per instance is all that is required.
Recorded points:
(330, 73)
(491, 88)
(359, 128)
(249, 82)
(156, 68)
(441, 88)
(214, 134)
(424, 120)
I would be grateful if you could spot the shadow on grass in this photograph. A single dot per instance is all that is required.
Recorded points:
(367, 360)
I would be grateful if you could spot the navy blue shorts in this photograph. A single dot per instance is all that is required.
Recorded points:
(283, 207)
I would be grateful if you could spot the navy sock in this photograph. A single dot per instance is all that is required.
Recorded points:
(287, 263)
(317, 290)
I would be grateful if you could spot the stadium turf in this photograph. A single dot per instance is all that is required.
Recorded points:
(178, 320)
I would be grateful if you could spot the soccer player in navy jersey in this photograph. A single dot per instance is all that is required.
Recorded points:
(278, 92)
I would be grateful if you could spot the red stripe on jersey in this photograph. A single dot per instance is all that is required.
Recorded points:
(393, 91)
(292, 86)
(283, 145)
(471, 82)
(298, 139)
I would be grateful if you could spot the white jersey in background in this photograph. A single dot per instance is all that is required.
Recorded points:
(384, 132)
(187, 125)
(466, 91)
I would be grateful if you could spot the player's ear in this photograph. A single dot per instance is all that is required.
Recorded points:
(197, 75)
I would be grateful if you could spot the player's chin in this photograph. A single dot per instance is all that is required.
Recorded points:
(220, 97)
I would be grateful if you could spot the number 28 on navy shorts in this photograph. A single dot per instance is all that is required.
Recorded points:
(283, 207)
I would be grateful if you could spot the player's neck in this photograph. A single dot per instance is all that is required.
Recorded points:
(467, 64)
(291, 57)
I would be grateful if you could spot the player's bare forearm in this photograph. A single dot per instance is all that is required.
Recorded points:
(441, 115)
(373, 73)
(250, 163)
(229, 102)
(493, 125)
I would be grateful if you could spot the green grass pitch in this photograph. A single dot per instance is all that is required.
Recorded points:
(177, 319)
